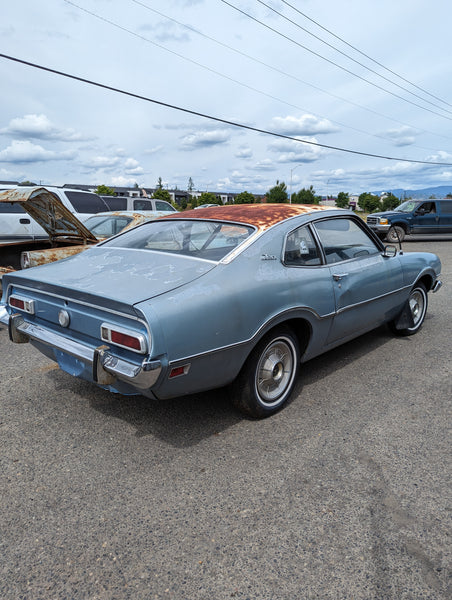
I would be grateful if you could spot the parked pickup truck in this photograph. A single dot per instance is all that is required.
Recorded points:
(413, 216)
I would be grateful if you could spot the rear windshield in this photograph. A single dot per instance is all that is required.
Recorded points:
(201, 239)
(85, 202)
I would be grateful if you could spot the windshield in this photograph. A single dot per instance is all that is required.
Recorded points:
(407, 206)
(106, 226)
(201, 239)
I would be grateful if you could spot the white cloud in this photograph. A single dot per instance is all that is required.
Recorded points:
(40, 127)
(244, 152)
(202, 139)
(27, 152)
(402, 136)
(305, 125)
(297, 152)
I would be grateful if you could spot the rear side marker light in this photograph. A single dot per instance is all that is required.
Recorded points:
(124, 338)
(22, 303)
(178, 371)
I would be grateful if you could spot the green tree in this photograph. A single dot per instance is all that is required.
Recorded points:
(278, 193)
(104, 190)
(343, 200)
(449, 195)
(244, 198)
(162, 194)
(28, 183)
(305, 196)
(369, 203)
(390, 202)
(159, 184)
(190, 186)
(208, 198)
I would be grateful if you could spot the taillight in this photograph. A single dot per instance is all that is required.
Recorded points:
(125, 338)
(22, 303)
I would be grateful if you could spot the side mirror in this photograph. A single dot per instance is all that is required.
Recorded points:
(390, 251)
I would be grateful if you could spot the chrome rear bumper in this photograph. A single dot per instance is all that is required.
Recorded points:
(105, 366)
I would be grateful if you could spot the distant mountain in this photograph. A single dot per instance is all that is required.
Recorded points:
(439, 191)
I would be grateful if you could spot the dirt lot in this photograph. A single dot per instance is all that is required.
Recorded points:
(344, 494)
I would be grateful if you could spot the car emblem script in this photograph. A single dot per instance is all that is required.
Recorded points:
(64, 318)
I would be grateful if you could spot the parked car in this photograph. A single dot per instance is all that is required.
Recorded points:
(65, 234)
(413, 216)
(206, 205)
(234, 295)
(127, 203)
(18, 226)
(102, 226)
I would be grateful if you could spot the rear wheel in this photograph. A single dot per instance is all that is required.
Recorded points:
(417, 306)
(395, 234)
(269, 375)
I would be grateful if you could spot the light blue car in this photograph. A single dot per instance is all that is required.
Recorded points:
(234, 295)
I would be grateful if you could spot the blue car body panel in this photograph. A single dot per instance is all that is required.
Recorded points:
(200, 319)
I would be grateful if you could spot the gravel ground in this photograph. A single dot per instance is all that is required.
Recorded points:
(345, 494)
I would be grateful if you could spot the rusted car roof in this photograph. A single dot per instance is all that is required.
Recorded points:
(261, 216)
(48, 210)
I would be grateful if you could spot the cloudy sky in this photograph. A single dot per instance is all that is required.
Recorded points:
(322, 77)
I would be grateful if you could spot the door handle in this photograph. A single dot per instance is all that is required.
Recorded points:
(24, 221)
(339, 276)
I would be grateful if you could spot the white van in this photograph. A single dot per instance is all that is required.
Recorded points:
(16, 225)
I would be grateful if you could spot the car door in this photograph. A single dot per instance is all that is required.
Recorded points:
(426, 218)
(367, 285)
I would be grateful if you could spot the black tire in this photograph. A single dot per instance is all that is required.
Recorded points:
(395, 234)
(268, 376)
(418, 303)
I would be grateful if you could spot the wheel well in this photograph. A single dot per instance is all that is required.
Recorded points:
(427, 280)
(400, 224)
(302, 329)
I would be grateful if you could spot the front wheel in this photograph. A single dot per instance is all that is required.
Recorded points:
(417, 307)
(395, 234)
(269, 375)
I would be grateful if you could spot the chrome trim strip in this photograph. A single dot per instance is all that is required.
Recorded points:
(82, 303)
(256, 333)
(364, 302)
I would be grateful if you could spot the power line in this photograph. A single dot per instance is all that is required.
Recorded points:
(363, 53)
(213, 118)
(350, 57)
(334, 63)
(289, 75)
(185, 58)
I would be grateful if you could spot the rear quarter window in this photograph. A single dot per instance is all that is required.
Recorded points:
(10, 208)
(86, 203)
(446, 206)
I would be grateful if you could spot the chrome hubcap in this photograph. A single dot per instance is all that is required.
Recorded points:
(275, 371)
(417, 306)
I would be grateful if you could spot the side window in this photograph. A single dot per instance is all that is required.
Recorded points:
(142, 205)
(446, 206)
(300, 249)
(343, 239)
(425, 208)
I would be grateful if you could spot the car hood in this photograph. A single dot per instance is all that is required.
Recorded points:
(120, 275)
(48, 210)
(386, 213)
